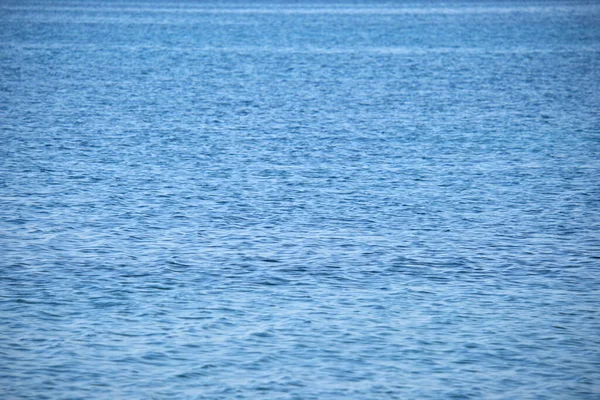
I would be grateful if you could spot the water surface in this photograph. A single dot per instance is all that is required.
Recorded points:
(299, 200)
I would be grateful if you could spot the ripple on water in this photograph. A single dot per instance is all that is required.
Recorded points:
(268, 201)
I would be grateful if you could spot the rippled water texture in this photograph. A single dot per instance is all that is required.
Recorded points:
(299, 200)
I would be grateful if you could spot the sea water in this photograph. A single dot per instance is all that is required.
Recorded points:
(299, 200)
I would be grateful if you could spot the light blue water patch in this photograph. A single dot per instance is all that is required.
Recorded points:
(282, 200)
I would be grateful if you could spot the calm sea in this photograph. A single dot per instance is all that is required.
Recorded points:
(299, 200)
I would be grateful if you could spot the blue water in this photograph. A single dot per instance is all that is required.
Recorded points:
(299, 200)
